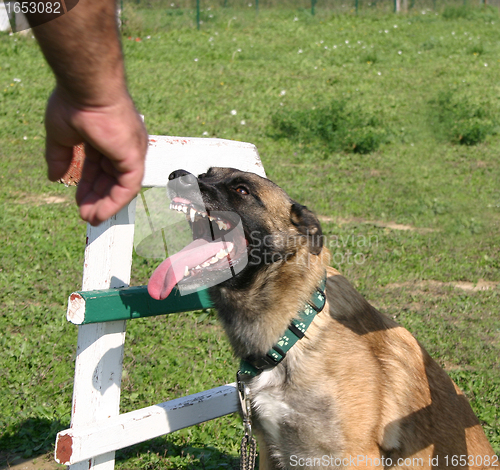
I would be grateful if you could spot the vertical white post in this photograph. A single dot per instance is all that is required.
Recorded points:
(98, 368)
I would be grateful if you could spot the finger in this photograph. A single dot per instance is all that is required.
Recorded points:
(90, 172)
(58, 159)
(96, 210)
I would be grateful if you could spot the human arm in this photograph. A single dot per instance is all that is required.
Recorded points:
(91, 104)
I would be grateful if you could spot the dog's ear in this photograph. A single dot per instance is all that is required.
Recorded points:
(308, 225)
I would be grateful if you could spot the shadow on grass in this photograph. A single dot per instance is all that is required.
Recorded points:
(30, 438)
(36, 436)
(160, 453)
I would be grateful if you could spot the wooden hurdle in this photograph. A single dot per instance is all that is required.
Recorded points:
(106, 302)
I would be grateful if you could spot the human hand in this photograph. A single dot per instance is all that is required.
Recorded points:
(115, 147)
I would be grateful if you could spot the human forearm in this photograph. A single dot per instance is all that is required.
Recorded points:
(83, 48)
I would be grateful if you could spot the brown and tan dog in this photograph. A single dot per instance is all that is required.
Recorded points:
(357, 390)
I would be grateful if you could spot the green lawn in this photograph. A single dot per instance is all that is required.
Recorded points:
(403, 96)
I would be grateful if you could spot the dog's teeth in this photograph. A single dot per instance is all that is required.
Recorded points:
(197, 267)
(221, 254)
(205, 264)
(211, 218)
(214, 260)
(192, 214)
(184, 209)
(186, 271)
(220, 224)
(203, 214)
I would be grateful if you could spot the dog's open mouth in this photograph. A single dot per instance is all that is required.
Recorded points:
(218, 248)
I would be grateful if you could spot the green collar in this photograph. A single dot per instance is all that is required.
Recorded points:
(254, 365)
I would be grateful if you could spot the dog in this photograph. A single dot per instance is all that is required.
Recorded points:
(356, 389)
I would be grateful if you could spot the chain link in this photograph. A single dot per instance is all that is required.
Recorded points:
(248, 450)
(248, 453)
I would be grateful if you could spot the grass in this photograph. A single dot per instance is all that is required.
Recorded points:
(418, 77)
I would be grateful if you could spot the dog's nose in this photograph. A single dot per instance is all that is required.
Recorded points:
(184, 179)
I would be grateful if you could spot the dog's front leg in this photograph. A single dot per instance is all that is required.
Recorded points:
(265, 459)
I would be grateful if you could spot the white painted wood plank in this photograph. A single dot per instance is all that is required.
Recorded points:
(79, 444)
(98, 367)
(196, 155)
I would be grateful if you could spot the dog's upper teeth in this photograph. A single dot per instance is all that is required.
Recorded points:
(214, 260)
(211, 218)
(205, 264)
(184, 209)
(192, 214)
(221, 254)
(221, 225)
(186, 271)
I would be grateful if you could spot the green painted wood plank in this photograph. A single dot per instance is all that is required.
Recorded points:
(127, 303)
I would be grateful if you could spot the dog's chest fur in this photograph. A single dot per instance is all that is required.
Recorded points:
(292, 421)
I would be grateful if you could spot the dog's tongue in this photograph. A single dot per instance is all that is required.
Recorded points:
(172, 270)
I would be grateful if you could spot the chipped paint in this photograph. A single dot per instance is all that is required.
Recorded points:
(76, 309)
(64, 449)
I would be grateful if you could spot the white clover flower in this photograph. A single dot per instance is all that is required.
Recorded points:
(243, 122)
(25, 138)
(282, 92)
(295, 19)
(347, 42)
(205, 133)
(486, 65)
(234, 112)
(239, 50)
(300, 51)
(400, 52)
(379, 73)
(196, 60)
(17, 80)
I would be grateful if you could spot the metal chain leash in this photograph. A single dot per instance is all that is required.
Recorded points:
(248, 450)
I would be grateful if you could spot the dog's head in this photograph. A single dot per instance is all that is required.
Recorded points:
(241, 223)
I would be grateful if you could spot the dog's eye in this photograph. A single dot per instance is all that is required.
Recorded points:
(242, 190)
